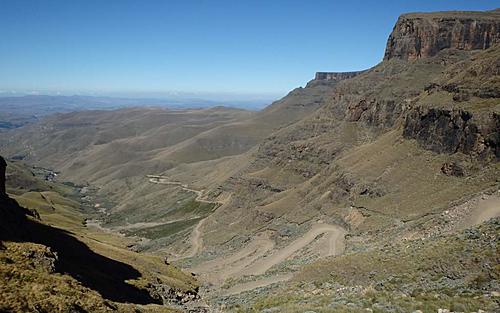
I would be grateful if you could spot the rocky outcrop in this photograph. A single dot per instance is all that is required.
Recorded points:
(337, 76)
(12, 216)
(3, 166)
(168, 295)
(378, 113)
(419, 35)
(452, 169)
(42, 257)
(329, 78)
(451, 131)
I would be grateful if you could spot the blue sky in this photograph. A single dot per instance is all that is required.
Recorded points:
(155, 48)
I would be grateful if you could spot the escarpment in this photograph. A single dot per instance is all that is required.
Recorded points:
(329, 78)
(337, 76)
(420, 35)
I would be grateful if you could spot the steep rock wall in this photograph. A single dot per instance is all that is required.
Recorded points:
(329, 78)
(450, 131)
(419, 35)
(3, 166)
(336, 75)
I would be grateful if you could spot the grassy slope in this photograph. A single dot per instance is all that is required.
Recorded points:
(115, 150)
(459, 272)
(326, 163)
(27, 286)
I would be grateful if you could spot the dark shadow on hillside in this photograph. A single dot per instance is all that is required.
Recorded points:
(97, 272)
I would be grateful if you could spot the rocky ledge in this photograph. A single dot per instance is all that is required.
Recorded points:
(327, 78)
(451, 131)
(419, 35)
(337, 76)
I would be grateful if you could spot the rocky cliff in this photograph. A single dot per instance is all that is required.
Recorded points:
(450, 131)
(337, 76)
(331, 78)
(419, 35)
(3, 166)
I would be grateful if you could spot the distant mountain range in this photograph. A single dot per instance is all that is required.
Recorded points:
(16, 111)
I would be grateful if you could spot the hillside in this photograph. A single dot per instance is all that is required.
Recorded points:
(50, 261)
(114, 151)
(322, 194)
(405, 150)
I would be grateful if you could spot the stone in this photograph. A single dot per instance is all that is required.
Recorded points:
(452, 169)
(42, 258)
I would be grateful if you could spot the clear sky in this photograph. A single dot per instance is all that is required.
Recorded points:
(152, 48)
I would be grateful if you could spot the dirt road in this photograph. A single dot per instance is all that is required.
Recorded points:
(486, 209)
(253, 259)
(217, 270)
(336, 246)
(164, 180)
(195, 239)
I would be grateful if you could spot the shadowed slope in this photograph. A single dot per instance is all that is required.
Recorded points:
(105, 275)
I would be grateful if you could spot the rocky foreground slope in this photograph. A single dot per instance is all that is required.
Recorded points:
(74, 268)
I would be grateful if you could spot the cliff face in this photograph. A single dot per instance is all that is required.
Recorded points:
(3, 166)
(419, 35)
(337, 76)
(450, 131)
(331, 78)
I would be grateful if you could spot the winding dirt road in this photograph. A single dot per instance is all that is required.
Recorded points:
(195, 239)
(219, 269)
(253, 259)
(164, 180)
(486, 209)
(335, 239)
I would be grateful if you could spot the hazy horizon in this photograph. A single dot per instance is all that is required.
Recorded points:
(225, 51)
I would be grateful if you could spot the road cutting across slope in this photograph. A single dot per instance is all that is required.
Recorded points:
(336, 246)
(217, 270)
(164, 180)
(253, 258)
(195, 238)
(486, 209)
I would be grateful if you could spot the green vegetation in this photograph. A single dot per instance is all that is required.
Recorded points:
(162, 231)
(65, 267)
(30, 285)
